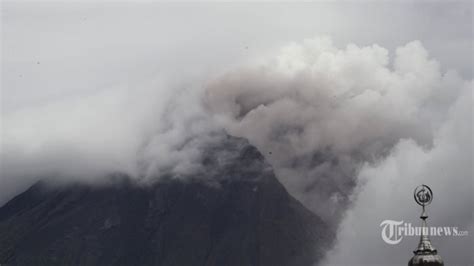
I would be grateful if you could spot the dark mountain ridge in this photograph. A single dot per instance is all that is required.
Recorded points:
(241, 215)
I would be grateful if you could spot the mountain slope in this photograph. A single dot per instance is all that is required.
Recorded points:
(240, 216)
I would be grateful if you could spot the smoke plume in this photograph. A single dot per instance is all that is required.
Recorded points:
(351, 132)
(319, 113)
(335, 124)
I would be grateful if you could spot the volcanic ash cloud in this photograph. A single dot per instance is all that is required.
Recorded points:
(319, 113)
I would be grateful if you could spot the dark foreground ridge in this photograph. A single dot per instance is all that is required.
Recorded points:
(246, 217)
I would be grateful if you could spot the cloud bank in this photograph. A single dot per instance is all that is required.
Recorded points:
(320, 113)
(385, 193)
(342, 127)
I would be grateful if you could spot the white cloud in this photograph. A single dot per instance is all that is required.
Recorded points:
(385, 192)
(319, 112)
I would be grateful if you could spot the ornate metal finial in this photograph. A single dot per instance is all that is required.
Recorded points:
(423, 196)
(425, 254)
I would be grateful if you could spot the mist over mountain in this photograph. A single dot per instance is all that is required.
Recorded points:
(243, 216)
(350, 105)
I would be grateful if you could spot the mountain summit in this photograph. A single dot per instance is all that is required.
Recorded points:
(233, 212)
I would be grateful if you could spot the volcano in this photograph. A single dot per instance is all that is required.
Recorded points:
(231, 212)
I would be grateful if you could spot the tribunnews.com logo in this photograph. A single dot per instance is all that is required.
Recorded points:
(394, 231)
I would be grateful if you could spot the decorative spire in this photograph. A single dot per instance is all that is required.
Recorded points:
(425, 254)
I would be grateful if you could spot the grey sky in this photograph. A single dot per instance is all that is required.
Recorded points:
(81, 46)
